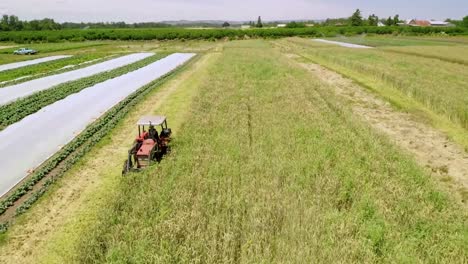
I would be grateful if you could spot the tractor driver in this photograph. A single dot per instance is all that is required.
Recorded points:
(153, 133)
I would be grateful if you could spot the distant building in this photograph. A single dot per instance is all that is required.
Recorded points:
(310, 25)
(380, 24)
(281, 25)
(435, 23)
(427, 23)
(245, 26)
(419, 23)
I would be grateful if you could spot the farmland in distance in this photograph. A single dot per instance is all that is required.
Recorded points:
(268, 164)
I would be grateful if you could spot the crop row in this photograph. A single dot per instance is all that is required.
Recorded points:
(75, 150)
(54, 72)
(51, 66)
(168, 34)
(17, 110)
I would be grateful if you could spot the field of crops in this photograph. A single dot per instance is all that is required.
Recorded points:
(438, 85)
(275, 181)
(268, 164)
(451, 49)
(77, 35)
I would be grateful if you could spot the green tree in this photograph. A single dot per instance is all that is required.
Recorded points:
(226, 24)
(295, 24)
(389, 21)
(259, 22)
(356, 18)
(373, 20)
(465, 22)
(4, 23)
(396, 20)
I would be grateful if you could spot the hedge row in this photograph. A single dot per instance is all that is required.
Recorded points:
(17, 110)
(76, 149)
(180, 33)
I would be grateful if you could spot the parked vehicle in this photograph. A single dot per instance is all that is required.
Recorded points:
(25, 51)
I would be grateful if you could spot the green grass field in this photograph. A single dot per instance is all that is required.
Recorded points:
(268, 166)
(438, 85)
(256, 178)
(384, 41)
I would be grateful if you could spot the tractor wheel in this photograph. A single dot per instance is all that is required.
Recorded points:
(126, 167)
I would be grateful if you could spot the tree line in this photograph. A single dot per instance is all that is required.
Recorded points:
(357, 20)
(13, 23)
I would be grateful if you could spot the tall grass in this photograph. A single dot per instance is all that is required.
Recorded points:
(440, 86)
(269, 168)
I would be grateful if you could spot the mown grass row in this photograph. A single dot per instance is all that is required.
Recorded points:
(397, 41)
(450, 49)
(453, 54)
(41, 68)
(438, 85)
(19, 109)
(269, 168)
(75, 150)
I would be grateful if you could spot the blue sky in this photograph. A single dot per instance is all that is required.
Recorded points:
(158, 10)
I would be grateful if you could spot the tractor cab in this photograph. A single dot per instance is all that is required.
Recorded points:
(150, 145)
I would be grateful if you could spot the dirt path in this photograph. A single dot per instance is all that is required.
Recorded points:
(79, 192)
(446, 160)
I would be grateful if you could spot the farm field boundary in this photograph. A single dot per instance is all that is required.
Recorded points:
(63, 160)
(19, 109)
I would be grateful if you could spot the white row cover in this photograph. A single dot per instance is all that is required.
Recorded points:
(343, 44)
(14, 92)
(16, 65)
(27, 144)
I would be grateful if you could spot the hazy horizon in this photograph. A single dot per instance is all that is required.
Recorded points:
(157, 10)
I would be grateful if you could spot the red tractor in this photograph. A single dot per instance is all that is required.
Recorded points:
(150, 146)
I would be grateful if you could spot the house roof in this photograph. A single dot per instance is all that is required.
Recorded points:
(434, 22)
(421, 23)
